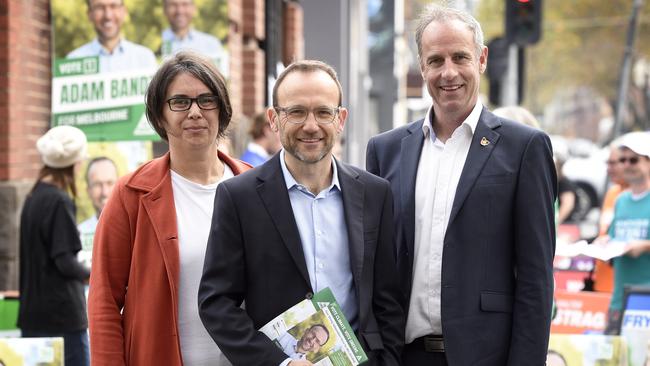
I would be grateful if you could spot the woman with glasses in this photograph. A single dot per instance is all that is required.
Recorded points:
(151, 237)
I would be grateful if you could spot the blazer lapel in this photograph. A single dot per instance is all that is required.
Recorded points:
(273, 192)
(353, 192)
(409, 157)
(158, 203)
(476, 158)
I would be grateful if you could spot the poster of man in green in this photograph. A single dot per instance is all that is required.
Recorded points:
(105, 52)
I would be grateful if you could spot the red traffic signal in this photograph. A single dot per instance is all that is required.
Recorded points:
(523, 21)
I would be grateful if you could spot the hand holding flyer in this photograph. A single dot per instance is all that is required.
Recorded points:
(602, 251)
(316, 330)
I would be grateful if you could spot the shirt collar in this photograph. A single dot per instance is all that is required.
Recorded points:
(168, 34)
(471, 121)
(103, 51)
(291, 181)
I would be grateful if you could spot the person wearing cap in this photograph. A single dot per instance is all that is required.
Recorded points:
(631, 223)
(52, 301)
(603, 274)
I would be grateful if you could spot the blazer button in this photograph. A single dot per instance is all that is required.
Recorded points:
(309, 295)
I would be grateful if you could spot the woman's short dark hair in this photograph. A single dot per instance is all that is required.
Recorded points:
(201, 68)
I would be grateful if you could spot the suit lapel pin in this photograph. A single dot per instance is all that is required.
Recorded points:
(484, 141)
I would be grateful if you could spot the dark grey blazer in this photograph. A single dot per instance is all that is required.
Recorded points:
(255, 255)
(497, 262)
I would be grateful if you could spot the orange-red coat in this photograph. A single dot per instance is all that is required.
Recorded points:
(133, 304)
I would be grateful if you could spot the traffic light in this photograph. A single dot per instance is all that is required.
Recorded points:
(497, 67)
(523, 21)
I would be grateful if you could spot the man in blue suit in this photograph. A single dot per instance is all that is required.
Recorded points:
(301, 222)
(473, 212)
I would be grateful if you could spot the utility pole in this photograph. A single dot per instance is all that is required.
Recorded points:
(624, 79)
(510, 95)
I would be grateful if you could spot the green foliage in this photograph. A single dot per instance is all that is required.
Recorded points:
(71, 25)
(582, 45)
(212, 17)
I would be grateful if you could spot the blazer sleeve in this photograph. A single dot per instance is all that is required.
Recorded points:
(222, 290)
(371, 158)
(108, 282)
(387, 296)
(534, 250)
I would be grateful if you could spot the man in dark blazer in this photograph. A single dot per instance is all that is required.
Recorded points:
(297, 224)
(474, 213)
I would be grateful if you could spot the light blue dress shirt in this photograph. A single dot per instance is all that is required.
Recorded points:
(324, 237)
(196, 41)
(126, 56)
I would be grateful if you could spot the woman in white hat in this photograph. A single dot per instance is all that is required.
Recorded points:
(52, 301)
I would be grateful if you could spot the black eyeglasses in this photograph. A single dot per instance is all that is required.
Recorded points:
(298, 114)
(205, 102)
(633, 160)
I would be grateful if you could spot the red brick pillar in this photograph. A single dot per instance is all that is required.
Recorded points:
(253, 70)
(294, 40)
(247, 83)
(235, 20)
(24, 115)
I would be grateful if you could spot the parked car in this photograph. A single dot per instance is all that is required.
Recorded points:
(585, 166)
(589, 174)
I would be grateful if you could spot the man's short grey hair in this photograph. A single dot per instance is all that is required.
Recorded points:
(438, 13)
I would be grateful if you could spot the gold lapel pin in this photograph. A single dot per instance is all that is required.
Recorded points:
(484, 141)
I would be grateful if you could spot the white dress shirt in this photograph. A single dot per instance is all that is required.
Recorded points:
(439, 170)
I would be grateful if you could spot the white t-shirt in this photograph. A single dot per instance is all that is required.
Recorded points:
(194, 204)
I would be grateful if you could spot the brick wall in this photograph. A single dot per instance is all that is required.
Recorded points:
(253, 21)
(24, 85)
(294, 45)
(24, 115)
(235, 18)
(253, 72)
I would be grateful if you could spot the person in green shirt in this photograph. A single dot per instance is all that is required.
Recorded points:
(631, 224)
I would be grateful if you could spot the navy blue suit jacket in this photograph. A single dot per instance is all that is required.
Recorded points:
(497, 274)
(254, 254)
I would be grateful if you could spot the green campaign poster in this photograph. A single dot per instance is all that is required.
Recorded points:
(106, 51)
